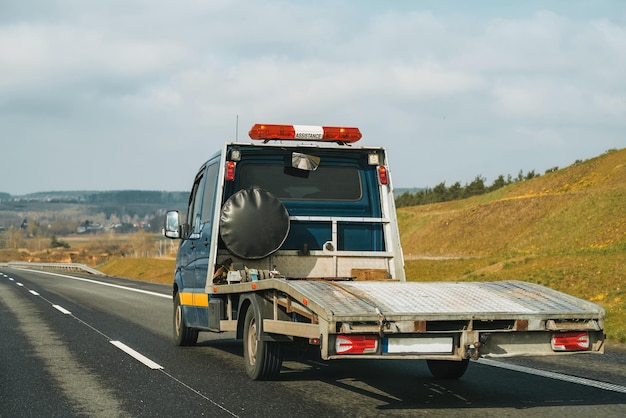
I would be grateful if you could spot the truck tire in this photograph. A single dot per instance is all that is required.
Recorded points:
(183, 335)
(262, 359)
(447, 369)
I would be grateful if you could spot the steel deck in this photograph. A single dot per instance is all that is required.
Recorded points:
(446, 300)
(363, 300)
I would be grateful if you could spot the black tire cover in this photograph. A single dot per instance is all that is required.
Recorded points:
(253, 223)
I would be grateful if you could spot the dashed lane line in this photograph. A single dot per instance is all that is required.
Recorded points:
(136, 355)
(128, 350)
(61, 309)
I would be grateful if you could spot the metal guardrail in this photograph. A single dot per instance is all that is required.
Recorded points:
(69, 267)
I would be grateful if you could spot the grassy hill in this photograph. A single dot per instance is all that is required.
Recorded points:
(156, 270)
(565, 230)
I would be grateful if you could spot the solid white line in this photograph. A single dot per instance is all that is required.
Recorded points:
(147, 292)
(61, 309)
(34, 292)
(145, 360)
(557, 376)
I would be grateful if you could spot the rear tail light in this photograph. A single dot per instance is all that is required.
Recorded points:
(230, 170)
(570, 341)
(382, 175)
(356, 344)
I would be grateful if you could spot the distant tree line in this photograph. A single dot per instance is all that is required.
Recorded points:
(442, 193)
(97, 197)
(137, 196)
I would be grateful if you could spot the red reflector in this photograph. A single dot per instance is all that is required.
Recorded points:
(356, 344)
(304, 132)
(570, 341)
(230, 170)
(382, 174)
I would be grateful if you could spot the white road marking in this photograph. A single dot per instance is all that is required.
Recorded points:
(138, 356)
(557, 376)
(85, 393)
(34, 292)
(61, 309)
(117, 286)
(19, 284)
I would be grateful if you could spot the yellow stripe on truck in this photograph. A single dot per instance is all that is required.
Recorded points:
(201, 299)
(186, 298)
(194, 299)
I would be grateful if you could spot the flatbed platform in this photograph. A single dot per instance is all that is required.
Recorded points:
(350, 300)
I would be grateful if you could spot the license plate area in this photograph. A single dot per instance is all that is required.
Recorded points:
(418, 345)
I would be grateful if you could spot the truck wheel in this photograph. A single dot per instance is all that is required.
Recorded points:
(447, 369)
(263, 359)
(183, 335)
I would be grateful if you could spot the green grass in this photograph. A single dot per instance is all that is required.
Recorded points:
(594, 277)
(147, 269)
(565, 230)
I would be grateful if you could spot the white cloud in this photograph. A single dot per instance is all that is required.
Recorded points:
(462, 85)
(611, 105)
(539, 100)
(35, 55)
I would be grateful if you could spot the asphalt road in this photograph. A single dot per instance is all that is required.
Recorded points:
(91, 346)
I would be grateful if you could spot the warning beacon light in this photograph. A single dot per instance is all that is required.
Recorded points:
(338, 134)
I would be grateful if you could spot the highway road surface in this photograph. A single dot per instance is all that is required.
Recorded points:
(79, 346)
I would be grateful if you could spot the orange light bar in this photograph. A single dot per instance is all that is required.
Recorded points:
(305, 132)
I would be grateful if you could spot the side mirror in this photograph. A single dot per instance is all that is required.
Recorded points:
(172, 225)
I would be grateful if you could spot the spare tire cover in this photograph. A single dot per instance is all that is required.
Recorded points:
(253, 223)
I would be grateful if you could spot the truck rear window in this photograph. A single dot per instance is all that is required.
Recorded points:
(326, 183)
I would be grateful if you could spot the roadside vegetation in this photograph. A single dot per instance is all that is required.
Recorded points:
(91, 250)
(156, 270)
(565, 229)
(442, 193)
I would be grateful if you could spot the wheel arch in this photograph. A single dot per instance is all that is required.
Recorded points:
(177, 285)
(245, 303)
(263, 309)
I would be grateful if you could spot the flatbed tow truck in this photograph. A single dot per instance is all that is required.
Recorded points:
(295, 238)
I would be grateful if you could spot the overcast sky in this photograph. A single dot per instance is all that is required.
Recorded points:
(136, 94)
